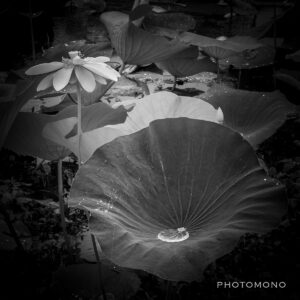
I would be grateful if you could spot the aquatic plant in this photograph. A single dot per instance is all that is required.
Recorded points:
(135, 45)
(187, 63)
(175, 196)
(87, 71)
(155, 106)
(256, 115)
(26, 137)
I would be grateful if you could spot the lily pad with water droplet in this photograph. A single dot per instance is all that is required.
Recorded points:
(179, 179)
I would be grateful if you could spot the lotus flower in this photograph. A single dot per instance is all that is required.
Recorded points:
(87, 71)
(175, 196)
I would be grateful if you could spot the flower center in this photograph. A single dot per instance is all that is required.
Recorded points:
(173, 235)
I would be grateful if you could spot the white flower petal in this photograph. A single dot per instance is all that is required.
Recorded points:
(103, 70)
(100, 79)
(86, 79)
(45, 83)
(99, 59)
(61, 78)
(44, 68)
(78, 61)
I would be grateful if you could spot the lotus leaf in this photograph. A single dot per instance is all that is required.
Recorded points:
(186, 63)
(256, 115)
(25, 90)
(26, 135)
(134, 45)
(175, 196)
(251, 59)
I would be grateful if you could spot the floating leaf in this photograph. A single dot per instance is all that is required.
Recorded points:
(250, 59)
(256, 115)
(186, 63)
(134, 45)
(230, 46)
(175, 196)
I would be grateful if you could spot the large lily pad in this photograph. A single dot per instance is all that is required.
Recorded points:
(156, 106)
(256, 115)
(175, 196)
(135, 45)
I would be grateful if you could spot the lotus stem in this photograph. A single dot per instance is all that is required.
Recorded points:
(174, 83)
(168, 286)
(99, 267)
(62, 203)
(218, 70)
(240, 78)
(79, 122)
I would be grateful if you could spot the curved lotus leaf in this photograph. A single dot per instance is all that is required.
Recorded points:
(186, 63)
(26, 135)
(63, 130)
(7, 92)
(155, 106)
(25, 90)
(175, 196)
(134, 45)
(256, 115)
(251, 59)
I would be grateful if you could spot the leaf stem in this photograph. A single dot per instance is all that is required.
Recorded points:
(174, 84)
(99, 267)
(79, 123)
(62, 203)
